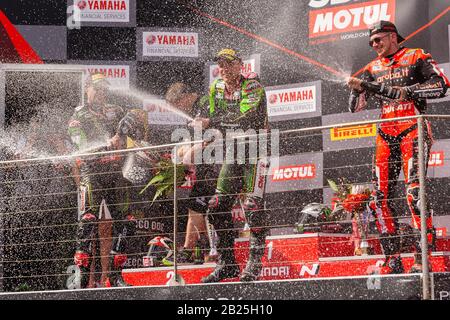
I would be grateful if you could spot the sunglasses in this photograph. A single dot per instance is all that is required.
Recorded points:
(377, 40)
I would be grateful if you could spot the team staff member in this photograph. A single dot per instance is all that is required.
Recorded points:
(400, 79)
(236, 101)
(100, 185)
(194, 104)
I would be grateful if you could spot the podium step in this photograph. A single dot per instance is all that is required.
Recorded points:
(301, 256)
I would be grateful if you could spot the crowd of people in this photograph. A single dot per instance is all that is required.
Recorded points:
(235, 101)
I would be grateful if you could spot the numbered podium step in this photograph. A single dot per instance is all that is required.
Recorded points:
(295, 257)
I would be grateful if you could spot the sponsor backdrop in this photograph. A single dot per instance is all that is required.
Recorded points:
(302, 51)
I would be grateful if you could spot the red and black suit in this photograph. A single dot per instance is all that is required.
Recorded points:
(400, 83)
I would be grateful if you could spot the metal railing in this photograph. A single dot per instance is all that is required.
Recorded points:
(426, 286)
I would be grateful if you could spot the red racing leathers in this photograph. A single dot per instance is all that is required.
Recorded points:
(415, 72)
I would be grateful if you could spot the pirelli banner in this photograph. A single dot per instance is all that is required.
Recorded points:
(350, 137)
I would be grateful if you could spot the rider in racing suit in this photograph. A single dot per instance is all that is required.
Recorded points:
(94, 127)
(237, 101)
(400, 79)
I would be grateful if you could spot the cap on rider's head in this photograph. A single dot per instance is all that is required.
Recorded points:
(98, 80)
(227, 55)
(385, 26)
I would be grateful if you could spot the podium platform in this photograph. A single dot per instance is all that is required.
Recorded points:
(300, 256)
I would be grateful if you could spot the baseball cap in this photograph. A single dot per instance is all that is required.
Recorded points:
(385, 26)
(227, 54)
(97, 79)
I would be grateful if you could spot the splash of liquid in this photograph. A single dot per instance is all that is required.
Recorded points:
(143, 96)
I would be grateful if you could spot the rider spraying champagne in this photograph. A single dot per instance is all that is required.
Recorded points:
(237, 102)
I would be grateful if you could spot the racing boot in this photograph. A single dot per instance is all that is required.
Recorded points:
(83, 261)
(254, 264)
(431, 239)
(117, 262)
(391, 247)
(393, 265)
(86, 232)
(226, 268)
(219, 215)
(256, 219)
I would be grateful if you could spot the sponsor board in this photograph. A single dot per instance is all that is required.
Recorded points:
(103, 11)
(169, 44)
(436, 159)
(250, 64)
(353, 132)
(438, 166)
(343, 19)
(350, 137)
(298, 172)
(159, 115)
(293, 101)
(117, 75)
(441, 286)
(120, 74)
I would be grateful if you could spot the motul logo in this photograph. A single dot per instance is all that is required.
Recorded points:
(292, 96)
(355, 132)
(307, 171)
(348, 18)
(436, 159)
(312, 271)
(171, 40)
(102, 5)
(112, 73)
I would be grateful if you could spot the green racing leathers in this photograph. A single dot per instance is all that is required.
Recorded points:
(241, 180)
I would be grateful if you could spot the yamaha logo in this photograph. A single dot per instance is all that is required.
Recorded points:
(151, 39)
(81, 4)
(273, 98)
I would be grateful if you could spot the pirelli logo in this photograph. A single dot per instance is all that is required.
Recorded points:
(354, 132)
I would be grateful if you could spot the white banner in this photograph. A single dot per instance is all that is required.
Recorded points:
(169, 44)
(158, 114)
(291, 101)
(117, 75)
(104, 10)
